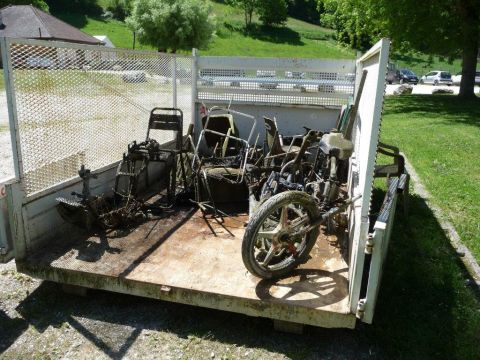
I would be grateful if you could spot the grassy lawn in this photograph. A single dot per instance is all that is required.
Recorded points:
(296, 39)
(424, 310)
(440, 135)
(117, 31)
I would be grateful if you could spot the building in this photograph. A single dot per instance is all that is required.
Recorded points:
(26, 21)
(105, 40)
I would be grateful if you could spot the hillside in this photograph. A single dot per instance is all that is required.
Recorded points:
(297, 38)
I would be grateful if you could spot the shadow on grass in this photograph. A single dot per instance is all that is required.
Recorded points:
(450, 109)
(10, 330)
(278, 35)
(424, 310)
(77, 20)
(411, 59)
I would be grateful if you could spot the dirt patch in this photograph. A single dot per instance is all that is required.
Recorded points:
(38, 320)
(6, 162)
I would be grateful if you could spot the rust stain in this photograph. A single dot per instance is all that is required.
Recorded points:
(185, 250)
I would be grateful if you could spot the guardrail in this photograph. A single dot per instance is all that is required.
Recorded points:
(273, 81)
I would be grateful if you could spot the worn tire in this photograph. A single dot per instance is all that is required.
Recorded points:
(259, 217)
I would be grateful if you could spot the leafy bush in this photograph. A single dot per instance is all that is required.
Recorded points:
(120, 9)
(273, 12)
(305, 10)
(351, 21)
(87, 7)
(172, 24)
(248, 7)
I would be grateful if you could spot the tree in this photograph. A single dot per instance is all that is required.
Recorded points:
(172, 24)
(349, 19)
(88, 7)
(273, 12)
(248, 7)
(41, 4)
(306, 10)
(120, 9)
(443, 27)
(448, 28)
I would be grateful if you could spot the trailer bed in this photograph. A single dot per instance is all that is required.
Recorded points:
(187, 258)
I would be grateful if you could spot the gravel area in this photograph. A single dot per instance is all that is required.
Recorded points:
(38, 320)
(6, 163)
(426, 89)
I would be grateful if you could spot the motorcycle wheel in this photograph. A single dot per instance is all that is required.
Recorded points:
(271, 248)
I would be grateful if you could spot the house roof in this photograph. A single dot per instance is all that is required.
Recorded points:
(26, 21)
(105, 40)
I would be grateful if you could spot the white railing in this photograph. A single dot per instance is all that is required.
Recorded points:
(274, 81)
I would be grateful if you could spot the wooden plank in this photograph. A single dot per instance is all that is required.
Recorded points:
(185, 258)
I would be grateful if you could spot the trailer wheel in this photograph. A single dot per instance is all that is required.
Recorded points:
(271, 248)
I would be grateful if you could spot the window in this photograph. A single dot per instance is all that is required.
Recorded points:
(445, 75)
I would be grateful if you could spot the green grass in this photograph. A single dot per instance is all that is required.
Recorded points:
(425, 310)
(440, 135)
(117, 31)
(296, 39)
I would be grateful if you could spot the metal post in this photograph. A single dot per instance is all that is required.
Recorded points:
(174, 80)
(194, 83)
(12, 109)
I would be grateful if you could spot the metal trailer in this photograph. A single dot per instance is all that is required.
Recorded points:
(92, 101)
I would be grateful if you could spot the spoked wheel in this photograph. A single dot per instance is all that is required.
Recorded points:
(275, 241)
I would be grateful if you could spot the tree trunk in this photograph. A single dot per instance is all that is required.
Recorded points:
(469, 67)
(469, 13)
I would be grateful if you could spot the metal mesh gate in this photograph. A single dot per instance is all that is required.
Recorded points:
(269, 81)
(80, 104)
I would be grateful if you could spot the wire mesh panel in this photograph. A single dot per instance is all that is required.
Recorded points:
(80, 104)
(184, 86)
(276, 81)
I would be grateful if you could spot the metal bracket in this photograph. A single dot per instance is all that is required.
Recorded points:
(369, 244)
(361, 308)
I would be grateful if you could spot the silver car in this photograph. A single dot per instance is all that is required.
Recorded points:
(458, 78)
(437, 77)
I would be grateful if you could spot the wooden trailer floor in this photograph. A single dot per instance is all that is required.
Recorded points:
(186, 258)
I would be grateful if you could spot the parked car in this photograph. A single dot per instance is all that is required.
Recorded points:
(437, 77)
(402, 76)
(456, 79)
